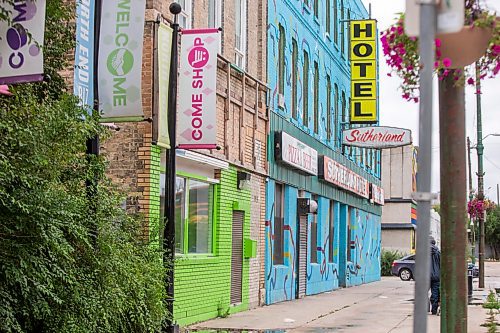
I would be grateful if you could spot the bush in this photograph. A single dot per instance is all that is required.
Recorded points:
(69, 262)
(386, 260)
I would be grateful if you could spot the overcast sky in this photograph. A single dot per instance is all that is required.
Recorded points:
(394, 111)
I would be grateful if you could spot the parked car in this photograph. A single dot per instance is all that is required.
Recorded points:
(404, 267)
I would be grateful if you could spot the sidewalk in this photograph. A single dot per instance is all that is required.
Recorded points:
(384, 306)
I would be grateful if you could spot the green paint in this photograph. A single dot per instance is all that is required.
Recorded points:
(194, 176)
(154, 208)
(203, 282)
(121, 120)
(250, 248)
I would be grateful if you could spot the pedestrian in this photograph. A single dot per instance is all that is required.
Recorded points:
(435, 276)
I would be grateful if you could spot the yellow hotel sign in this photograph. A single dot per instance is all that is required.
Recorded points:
(364, 72)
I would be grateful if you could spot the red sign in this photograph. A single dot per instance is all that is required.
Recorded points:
(335, 173)
(377, 137)
(377, 194)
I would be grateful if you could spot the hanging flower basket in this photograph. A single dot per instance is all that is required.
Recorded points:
(478, 42)
(477, 207)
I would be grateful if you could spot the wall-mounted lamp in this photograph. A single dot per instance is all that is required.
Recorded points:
(244, 180)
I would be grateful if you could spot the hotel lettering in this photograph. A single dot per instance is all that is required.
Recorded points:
(364, 72)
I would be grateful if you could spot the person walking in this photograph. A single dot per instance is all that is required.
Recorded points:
(435, 276)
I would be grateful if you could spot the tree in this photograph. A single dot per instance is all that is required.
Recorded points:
(492, 230)
(66, 265)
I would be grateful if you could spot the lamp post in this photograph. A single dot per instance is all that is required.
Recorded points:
(169, 226)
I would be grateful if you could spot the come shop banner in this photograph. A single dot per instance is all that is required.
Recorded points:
(120, 60)
(21, 58)
(197, 116)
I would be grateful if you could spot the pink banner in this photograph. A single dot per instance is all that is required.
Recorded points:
(335, 173)
(197, 113)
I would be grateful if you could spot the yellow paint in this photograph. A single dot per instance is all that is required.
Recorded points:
(364, 71)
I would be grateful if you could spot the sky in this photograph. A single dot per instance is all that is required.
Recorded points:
(395, 111)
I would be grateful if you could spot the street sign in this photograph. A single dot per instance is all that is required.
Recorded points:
(450, 16)
(378, 137)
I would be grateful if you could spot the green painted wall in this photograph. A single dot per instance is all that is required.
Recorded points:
(203, 283)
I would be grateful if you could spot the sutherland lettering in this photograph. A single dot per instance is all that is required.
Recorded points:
(341, 176)
(370, 136)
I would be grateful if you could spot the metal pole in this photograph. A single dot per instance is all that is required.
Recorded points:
(428, 23)
(471, 196)
(170, 177)
(453, 206)
(480, 175)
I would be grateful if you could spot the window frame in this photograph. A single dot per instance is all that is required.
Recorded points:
(328, 108)
(316, 9)
(305, 90)
(328, 22)
(342, 17)
(331, 231)
(281, 59)
(240, 54)
(335, 22)
(316, 99)
(187, 13)
(336, 116)
(295, 63)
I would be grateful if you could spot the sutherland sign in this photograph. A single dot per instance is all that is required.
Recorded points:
(377, 137)
(333, 172)
(295, 153)
(364, 72)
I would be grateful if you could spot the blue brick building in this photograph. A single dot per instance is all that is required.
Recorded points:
(309, 79)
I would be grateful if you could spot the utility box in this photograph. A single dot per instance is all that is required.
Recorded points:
(250, 248)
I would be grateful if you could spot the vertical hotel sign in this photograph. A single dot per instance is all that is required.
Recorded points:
(197, 116)
(120, 58)
(84, 53)
(21, 59)
(364, 71)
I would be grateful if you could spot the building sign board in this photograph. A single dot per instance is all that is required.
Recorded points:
(333, 172)
(197, 113)
(295, 153)
(378, 137)
(377, 194)
(364, 72)
(21, 35)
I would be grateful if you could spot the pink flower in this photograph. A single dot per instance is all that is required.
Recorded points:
(438, 42)
(438, 54)
(400, 30)
(470, 81)
(436, 64)
(389, 74)
(406, 96)
(496, 49)
(415, 99)
(447, 62)
(402, 51)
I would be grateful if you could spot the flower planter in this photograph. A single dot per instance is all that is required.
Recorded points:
(466, 46)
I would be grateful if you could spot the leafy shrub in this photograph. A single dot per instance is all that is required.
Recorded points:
(69, 262)
(386, 260)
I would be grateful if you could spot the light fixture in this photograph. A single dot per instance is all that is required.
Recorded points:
(244, 180)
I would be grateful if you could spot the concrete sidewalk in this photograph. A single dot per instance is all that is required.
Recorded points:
(384, 306)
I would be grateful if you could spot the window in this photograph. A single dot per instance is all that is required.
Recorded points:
(348, 24)
(240, 48)
(314, 236)
(185, 15)
(305, 91)
(328, 108)
(214, 14)
(316, 8)
(278, 229)
(327, 14)
(336, 115)
(342, 24)
(295, 63)
(316, 98)
(281, 61)
(331, 231)
(193, 215)
(335, 22)
(342, 119)
(349, 212)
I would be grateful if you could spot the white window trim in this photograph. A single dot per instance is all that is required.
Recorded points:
(217, 14)
(187, 14)
(243, 33)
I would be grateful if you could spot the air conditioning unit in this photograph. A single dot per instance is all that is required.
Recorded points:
(281, 101)
(306, 206)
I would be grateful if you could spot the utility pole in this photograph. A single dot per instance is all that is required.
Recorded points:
(170, 177)
(427, 34)
(471, 196)
(480, 175)
(453, 203)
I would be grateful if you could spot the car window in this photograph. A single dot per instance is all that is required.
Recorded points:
(410, 258)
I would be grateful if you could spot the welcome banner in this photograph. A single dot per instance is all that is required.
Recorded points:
(164, 59)
(120, 59)
(84, 53)
(197, 116)
(21, 59)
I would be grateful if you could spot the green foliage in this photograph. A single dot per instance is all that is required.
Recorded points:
(68, 262)
(386, 260)
(493, 305)
(492, 230)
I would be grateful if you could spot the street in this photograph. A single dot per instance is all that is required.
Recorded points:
(379, 307)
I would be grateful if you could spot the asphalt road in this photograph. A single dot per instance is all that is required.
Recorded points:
(379, 307)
